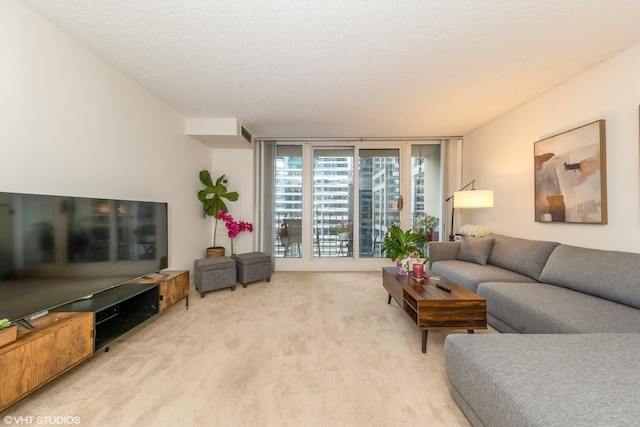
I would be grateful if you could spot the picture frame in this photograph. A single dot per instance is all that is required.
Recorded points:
(570, 176)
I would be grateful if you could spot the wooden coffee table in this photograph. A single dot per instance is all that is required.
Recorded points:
(433, 308)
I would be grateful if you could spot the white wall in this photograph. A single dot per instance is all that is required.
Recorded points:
(237, 165)
(70, 124)
(500, 156)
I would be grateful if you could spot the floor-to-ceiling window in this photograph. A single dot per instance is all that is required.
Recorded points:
(335, 202)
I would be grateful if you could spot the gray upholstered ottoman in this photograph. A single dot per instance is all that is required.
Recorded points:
(253, 266)
(214, 273)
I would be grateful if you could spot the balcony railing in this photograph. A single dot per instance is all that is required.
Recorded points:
(327, 243)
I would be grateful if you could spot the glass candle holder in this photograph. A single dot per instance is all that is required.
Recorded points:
(418, 271)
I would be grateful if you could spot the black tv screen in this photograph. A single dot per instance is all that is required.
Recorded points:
(58, 249)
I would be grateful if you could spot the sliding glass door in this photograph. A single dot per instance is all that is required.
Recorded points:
(338, 202)
(333, 203)
(287, 203)
(379, 197)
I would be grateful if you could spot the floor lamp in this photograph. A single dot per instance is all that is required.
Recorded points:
(470, 199)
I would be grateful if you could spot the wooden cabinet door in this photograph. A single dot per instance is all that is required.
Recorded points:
(174, 289)
(59, 342)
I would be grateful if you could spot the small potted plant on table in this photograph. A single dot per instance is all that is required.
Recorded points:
(401, 247)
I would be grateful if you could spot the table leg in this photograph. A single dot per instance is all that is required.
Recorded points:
(471, 331)
(389, 300)
(424, 340)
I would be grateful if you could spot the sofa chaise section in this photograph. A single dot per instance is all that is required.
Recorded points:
(545, 380)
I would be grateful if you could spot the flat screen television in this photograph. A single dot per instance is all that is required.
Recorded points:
(58, 249)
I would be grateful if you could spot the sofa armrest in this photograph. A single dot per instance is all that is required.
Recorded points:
(439, 251)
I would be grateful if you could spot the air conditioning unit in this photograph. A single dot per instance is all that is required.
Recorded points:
(219, 132)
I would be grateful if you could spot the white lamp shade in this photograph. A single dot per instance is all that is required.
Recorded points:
(472, 199)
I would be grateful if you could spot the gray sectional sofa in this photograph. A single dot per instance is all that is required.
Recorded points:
(573, 315)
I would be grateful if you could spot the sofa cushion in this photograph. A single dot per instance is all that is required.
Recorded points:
(545, 380)
(523, 256)
(438, 251)
(539, 308)
(606, 274)
(469, 275)
(475, 249)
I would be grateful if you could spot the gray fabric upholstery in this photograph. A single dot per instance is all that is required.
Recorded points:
(499, 325)
(469, 275)
(545, 380)
(523, 256)
(464, 406)
(214, 273)
(607, 274)
(440, 251)
(538, 308)
(475, 249)
(574, 363)
(253, 266)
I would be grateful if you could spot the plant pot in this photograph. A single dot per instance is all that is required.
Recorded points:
(215, 251)
(344, 236)
(9, 335)
(402, 268)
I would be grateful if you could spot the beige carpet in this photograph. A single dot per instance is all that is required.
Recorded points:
(307, 349)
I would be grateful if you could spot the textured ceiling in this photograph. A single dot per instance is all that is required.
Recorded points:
(349, 68)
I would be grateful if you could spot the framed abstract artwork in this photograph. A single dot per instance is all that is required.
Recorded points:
(570, 176)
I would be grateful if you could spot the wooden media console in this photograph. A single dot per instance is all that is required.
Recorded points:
(71, 333)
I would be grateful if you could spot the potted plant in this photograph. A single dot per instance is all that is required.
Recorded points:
(212, 202)
(343, 229)
(425, 226)
(282, 234)
(401, 247)
(234, 227)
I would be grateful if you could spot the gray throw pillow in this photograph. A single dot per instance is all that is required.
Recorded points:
(475, 249)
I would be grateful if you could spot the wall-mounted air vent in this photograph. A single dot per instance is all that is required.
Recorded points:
(246, 135)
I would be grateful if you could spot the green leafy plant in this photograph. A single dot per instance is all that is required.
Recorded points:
(428, 222)
(4, 324)
(399, 244)
(212, 198)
